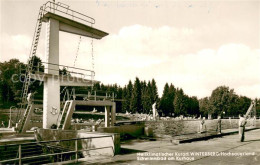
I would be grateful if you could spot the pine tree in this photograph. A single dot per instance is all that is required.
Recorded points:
(129, 93)
(154, 92)
(193, 106)
(171, 96)
(119, 103)
(135, 104)
(146, 100)
(180, 103)
(164, 102)
(125, 104)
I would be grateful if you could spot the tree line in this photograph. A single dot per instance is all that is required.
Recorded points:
(225, 102)
(137, 96)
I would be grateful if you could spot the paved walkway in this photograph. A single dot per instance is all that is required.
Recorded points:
(222, 147)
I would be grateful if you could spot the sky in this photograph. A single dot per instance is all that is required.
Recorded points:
(196, 46)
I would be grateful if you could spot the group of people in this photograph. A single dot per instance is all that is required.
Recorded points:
(241, 123)
(77, 120)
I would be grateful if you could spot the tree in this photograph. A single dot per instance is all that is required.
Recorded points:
(146, 97)
(11, 83)
(243, 104)
(204, 106)
(154, 92)
(119, 96)
(165, 101)
(171, 96)
(127, 95)
(180, 103)
(136, 97)
(35, 85)
(96, 86)
(37, 64)
(193, 109)
(223, 101)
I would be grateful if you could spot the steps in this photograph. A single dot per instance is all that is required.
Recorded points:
(25, 118)
(66, 115)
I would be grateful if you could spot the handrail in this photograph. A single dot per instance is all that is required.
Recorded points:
(58, 153)
(53, 141)
(67, 66)
(38, 68)
(49, 6)
(20, 158)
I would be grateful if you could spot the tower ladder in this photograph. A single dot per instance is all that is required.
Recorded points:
(29, 66)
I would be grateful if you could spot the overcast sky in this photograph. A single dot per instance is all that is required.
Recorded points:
(194, 45)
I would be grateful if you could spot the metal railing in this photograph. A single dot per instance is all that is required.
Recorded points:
(74, 150)
(96, 95)
(62, 70)
(64, 10)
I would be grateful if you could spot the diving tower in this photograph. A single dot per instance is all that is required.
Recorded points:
(74, 27)
(59, 17)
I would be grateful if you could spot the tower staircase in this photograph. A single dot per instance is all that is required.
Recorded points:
(25, 118)
(29, 69)
(64, 119)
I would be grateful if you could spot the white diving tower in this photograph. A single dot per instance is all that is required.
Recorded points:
(59, 17)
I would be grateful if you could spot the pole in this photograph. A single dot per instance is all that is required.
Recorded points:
(53, 6)
(20, 154)
(76, 149)
(10, 119)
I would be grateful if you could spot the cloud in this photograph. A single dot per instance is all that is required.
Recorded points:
(18, 46)
(167, 54)
(14, 47)
(161, 53)
(234, 65)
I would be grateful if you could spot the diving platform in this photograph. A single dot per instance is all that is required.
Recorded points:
(66, 75)
(110, 109)
(74, 27)
(69, 107)
(65, 80)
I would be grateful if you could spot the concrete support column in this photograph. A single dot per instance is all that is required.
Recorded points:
(107, 116)
(51, 104)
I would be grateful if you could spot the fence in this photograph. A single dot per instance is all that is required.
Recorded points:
(49, 148)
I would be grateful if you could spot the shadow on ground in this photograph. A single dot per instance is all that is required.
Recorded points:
(124, 151)
(252, 140)
(115, 162)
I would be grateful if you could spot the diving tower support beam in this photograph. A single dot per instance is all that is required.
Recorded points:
(51, 98)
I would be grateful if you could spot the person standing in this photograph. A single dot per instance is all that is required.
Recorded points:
(29, 98)
(218, 130)
(3, 124)
(201, 126)
(242, 124)
(155, 113)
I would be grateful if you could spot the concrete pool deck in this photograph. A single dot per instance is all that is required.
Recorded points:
(206, 136)
(223, 147)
